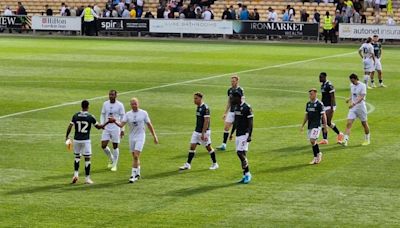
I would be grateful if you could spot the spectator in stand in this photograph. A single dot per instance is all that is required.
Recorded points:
(109, 5)
(49, 11)
(226, 15)
(368, 4)
(63, 8)
(340, 5)
(377, 3)
(121, 5)
(317, 16)
(233, 12)
(139, 8)
(348, 11)
(356, 18)
(363, 17)
(357, 5)
(285, 16)
(80, 10)
(190, 13)
(73, 11)
(207, 15)
(291, 12)
(7, 11)
(336, 24)
(198, 12)
(115, 2)
(160, 11)
(114, 12)
(256, 15)
(304, 15)
(132, 12)
(67, 12)
(106, 13)
(125, 13)
(244, 15)
(21, 9)
(148, 14)
(272, 15)
(383, 4)
(97, 9)
(391, 21)
(167, 12)
(240, 8)
(128, 3)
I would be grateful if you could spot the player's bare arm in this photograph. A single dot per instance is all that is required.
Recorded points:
(304, 122)
(68, 131)
(205, 127)
(333, 101)
(358, 100)
(250, 129)
(153, 132)
(232, 131)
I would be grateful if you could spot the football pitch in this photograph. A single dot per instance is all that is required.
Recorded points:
(44, 80)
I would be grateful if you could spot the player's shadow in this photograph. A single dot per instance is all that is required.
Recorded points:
(284, 168)
(68, 175)
(172, 173)
(291, 149)
(66, 187)
(198, 190)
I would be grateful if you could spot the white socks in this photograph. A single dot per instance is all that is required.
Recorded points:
(367, 137)
(346, 137)
(116, 156)
(107, 151)
(136, 171)
(366, 78)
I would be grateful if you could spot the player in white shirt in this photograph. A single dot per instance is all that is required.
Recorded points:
(358, 109)
(112, 109)
(137, 119)
(367, 55)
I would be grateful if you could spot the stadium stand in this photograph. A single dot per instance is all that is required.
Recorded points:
(37, 7)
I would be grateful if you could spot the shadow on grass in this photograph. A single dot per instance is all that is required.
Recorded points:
(284, 168)
(66, 187)
(69, 175)
(198, 190)
(292, 149)
(173, 173)
(202, 153)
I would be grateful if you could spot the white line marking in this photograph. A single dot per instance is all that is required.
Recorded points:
(176, 83)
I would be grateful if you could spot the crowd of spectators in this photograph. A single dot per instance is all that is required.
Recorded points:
(347, 11)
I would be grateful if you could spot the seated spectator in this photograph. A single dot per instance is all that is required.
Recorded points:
(73, 11)
(291, 12)
(363, 17)
(244, 15)
(125, 13)
(382, 4)
(272, 15)
(139, 8)
(160, 11)
(190, 12)
(109, 5)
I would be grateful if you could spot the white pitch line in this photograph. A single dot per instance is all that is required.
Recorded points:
(177, 83)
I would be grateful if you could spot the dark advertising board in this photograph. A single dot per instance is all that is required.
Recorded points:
(276, 28)
(119, 24)
(15, 22)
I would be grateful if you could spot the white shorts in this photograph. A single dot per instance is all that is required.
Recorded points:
(83, 147)
(378, 64)
(230, 117)
(196, 138)
(326, 108)
(313, 133)
(137, 143)
(359, 111)
(241, 143)
(111, 135)
(368, 65)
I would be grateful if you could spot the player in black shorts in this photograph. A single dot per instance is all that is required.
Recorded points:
(83, 122)
(244, 129)
(329, 101)
(229, 115)
(315, 116)
(201, 134)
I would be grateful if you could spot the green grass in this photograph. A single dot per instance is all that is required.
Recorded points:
(354, 186)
